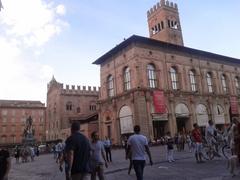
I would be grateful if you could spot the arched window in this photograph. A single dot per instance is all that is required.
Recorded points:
(69, 106)
(174, 80)
(209, 82)
(110, 88)
(237, 84)
(127, 79)
(193, 84)
(152, 78)
(224, 83)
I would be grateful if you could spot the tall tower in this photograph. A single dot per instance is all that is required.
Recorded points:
(164, 23)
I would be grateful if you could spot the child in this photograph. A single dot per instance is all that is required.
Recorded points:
(169, 143)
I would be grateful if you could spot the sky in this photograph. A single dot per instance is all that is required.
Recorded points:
(42, 38)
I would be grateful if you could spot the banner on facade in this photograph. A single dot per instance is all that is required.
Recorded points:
(234, 105)
(159, 102)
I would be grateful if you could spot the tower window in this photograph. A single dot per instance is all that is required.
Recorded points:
(162, 24)
(159, 27)
(69, 106)
(169, 23)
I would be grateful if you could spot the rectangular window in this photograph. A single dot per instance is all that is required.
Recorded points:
(13, 112)
(127, 85)
(4, 112)
(4, 129)
(110, 87)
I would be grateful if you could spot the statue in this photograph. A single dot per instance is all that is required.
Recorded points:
(28, 132)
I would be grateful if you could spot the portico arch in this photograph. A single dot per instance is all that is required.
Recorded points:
(182, 117)
(126, 120)
(202, 115)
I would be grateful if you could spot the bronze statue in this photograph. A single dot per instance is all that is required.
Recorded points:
(28, 131)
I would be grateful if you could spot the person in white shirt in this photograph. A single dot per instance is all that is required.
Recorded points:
(138, 145)
(98, 159)
(210, 136)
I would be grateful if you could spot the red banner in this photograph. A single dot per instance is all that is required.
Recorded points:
(234, 105)
(159, 102)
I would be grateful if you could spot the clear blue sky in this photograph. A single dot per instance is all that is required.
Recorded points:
(39, 38)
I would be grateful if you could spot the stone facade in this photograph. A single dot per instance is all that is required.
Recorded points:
(67, 104)
(13, 115)
(194, 86)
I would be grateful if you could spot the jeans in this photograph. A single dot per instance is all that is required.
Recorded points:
(108, 154)
(98, 171)
(138, 166)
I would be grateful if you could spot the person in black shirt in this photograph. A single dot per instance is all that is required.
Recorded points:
(77, 154)
(5, 164)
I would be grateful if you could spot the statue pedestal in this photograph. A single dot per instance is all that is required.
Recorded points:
(29, 140)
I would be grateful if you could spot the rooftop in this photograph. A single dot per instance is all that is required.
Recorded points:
(21, 103)
(156, 43)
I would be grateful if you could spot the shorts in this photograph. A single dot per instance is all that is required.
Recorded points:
(198, 147)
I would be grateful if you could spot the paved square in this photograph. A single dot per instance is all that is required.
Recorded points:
(184, 168)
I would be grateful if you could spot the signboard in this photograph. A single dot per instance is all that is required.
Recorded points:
(202, 120)
(234, 105)
(160, 117)
(126, 124)
(159, 102)
(219, 119)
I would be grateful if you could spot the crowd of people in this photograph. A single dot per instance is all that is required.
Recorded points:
(26, 153)
(82, 158)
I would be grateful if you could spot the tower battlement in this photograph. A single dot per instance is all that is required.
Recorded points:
(162, 3)
(79, 90)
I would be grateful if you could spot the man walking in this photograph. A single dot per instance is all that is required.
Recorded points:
(98, 158)
(137, 145)
(77, 154)
(5, 164)
(107, 146)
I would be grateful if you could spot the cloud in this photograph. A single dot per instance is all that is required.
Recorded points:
(25, 27)
(61, 9)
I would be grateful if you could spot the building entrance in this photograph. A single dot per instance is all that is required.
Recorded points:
(182, 124)
(159, 129)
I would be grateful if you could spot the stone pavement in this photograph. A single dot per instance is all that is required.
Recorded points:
(184, 168)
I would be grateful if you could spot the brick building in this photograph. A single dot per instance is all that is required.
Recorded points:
(69, 104)
(162, 85)
(13, 115)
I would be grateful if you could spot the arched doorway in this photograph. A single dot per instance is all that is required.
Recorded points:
(219, 117)
(182, 117)
(126, 121)
(202, 116)
(159, 122)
